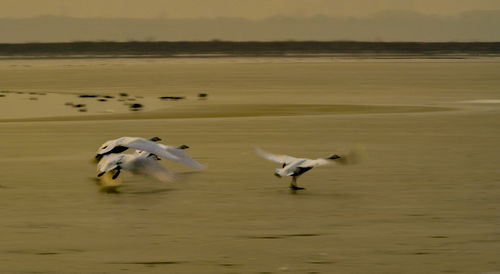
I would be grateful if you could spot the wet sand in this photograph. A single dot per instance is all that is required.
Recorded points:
(424, 200)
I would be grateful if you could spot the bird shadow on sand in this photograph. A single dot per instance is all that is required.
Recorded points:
(133, 185)
(105, 188)
(134, 190)
(150, 263)
(282, 236)
(318, 193)
(151, 191)
(179, 178)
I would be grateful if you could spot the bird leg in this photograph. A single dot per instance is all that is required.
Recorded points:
(117, 173)
(293, 184)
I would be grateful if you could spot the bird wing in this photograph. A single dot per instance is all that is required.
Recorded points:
(289, 169)
(149, 146)
(282, 159)
(182, 157)
(173, 153)
(109, 162)
(142, 153)
(153, 168)
(316, 162)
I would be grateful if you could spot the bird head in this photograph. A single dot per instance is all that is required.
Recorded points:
(183, 147)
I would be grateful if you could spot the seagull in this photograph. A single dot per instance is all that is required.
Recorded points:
(294, 167)
(135, 163)
(149, 147)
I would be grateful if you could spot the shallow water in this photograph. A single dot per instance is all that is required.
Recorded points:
(423, 200)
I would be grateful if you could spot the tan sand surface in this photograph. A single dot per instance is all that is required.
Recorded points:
(425, 198)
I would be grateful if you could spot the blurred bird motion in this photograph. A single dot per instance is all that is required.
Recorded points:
(294, 167)
(144, 161)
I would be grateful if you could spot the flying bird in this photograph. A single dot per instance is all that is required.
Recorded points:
(121, 144)
(135, 163)
(144, 161)
(150, 147)
(294, 167)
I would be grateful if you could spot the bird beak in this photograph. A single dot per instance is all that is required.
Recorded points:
(100, 174)
(277, 175)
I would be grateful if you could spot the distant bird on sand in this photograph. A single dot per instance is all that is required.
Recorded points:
(294, 167)
(136, 163)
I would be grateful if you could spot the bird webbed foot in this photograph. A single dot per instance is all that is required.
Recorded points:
(294, 187)
(116, 174)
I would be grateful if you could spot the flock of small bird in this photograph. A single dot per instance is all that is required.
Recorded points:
(132, 102)
(148, 152)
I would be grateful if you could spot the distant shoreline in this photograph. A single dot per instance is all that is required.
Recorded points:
(211, 49)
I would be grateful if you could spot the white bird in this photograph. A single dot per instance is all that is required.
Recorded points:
(180, 155)
(294, 167)
(148, 145)
(121, 144)
(136, 163)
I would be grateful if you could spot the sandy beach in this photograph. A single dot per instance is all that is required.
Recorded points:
(424, 198)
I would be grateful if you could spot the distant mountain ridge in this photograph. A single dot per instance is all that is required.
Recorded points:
(389, 26)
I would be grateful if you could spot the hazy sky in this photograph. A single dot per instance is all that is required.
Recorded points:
(251, 9)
